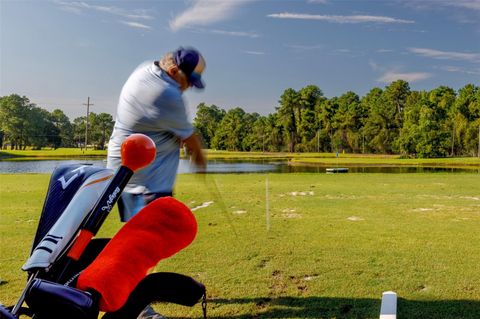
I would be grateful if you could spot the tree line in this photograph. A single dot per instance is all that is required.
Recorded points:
(23, 124)
(393, 120)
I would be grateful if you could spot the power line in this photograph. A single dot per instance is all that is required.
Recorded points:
(86, 126)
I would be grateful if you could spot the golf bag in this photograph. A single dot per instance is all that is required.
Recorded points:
(71, 275)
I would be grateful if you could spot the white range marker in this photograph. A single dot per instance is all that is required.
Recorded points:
(388, 310)
(267, 204)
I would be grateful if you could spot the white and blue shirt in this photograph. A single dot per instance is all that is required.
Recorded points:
(151, 103)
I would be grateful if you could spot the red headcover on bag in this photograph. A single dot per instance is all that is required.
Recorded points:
(158, 231)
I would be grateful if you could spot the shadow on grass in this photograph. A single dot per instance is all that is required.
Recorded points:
(6, 155)
(324, 307)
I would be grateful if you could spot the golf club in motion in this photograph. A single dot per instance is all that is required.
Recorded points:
(211, 185)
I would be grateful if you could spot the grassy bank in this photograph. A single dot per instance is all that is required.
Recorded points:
(346, 160)
(51, 153)
(329, 247)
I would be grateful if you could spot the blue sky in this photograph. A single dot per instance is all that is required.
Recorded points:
(59, 52)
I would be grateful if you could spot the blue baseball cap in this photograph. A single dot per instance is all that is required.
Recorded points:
(191, 62)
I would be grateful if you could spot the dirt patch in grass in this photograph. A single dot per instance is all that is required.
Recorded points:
(240, 212)
(204, 204)
(355, 218)
(307, 193)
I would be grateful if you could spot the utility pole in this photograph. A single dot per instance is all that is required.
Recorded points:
(363, 144)
(86, 124)
(453, 140)
(292, 146)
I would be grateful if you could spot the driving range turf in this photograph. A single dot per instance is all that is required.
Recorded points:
(320, 246)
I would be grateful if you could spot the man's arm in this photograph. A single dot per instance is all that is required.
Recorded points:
(195, 148)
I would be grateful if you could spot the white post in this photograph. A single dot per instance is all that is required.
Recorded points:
(388, 308)
(267, 206)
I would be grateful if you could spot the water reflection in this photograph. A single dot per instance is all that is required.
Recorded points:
(385, 169)
(219, 166)
(43, 166)
(47, 166)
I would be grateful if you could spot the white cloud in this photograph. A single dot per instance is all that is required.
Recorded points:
(384, 51)
(318, 1)
(391, 76)
(374, 65)
(457, 69)
(71, 9)
(451, 68)
(136, 25)
(461, 11)
(446, 55)
(80, 6)
(468, 4)
(233, 33)
(254, 52)
(434, 4)
(205, 12)
(339, 18)
(301, 47)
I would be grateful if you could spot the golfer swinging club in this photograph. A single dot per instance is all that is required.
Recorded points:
(151, 103)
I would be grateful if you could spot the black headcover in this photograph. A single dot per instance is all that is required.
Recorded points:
(5, 313)
(160, 287)
(50, 300)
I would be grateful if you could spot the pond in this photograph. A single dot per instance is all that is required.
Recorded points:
(220, 166)
(47, 166)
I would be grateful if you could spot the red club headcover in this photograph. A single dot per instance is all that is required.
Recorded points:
(159, 230)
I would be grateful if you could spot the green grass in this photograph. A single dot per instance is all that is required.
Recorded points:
(51, 153)
(335, 243)
(215, 154)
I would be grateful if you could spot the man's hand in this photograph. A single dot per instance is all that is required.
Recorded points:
(195, 149)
